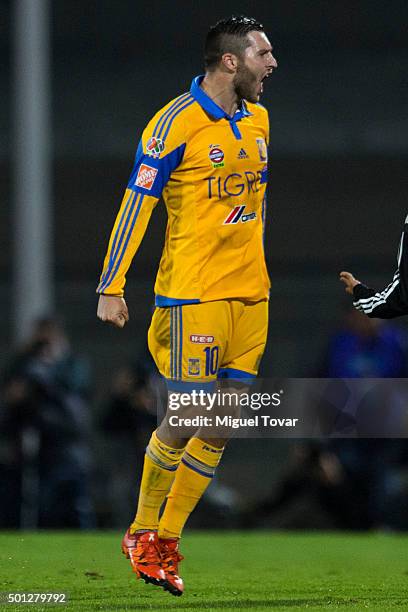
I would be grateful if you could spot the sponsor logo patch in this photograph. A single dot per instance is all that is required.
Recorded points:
(263, 151)
(154, 146)
(145, 176)
(216, 156)
(194, 368)
(237, 214)
(201, 339)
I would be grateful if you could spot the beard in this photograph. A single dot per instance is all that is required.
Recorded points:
(245, 84)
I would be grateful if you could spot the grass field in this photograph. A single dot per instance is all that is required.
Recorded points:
(222, 571)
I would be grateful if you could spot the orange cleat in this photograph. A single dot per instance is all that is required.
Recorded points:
(170, 560)
(144, 553)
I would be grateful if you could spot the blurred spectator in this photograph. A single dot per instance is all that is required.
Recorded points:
(341, 484)
(365, 348)
(45, 418)
(128, 419)
(371, 469)
(350, 483)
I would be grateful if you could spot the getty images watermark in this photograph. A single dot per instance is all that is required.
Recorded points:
(289, 408)
(206, 400)
(220, 411)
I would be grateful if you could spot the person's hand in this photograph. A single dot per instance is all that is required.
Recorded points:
(113, 309)
(348, 279)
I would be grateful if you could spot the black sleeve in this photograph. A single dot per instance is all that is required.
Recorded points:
(393, 300)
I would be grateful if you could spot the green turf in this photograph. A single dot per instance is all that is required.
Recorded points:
(222, 571)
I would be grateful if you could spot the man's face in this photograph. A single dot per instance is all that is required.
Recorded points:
(256, 64)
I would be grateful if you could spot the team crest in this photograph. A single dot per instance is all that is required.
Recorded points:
(194, 368)
(216, 156)
(154, 146)
(263, 151)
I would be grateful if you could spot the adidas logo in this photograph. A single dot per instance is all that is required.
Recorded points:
(242, 154)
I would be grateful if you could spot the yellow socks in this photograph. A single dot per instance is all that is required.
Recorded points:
(188, 481)
(193, 476)
(160, 465)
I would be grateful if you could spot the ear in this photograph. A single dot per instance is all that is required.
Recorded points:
(230, 61)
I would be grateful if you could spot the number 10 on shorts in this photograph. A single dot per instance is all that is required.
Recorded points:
(211, 360)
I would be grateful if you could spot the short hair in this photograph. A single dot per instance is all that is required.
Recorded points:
(228, 35)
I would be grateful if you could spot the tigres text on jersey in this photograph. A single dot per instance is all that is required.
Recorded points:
(211, 170)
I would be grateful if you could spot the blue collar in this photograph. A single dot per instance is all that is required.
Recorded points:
(211, 107)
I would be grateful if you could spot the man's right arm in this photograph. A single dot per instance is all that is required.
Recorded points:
(112, 309)
(128, 231)
(155, 161)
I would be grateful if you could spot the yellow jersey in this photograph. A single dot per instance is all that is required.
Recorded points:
(211, 171)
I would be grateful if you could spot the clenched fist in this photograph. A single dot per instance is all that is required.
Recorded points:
(113, 309)
(348, 279)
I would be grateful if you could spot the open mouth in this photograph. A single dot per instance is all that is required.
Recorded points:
(266, 76)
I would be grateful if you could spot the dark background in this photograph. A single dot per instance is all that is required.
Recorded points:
(338, 158)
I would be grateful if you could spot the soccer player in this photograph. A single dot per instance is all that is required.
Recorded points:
(393, 300)
(205, 154)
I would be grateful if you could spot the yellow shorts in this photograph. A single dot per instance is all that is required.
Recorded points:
(222, 339)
